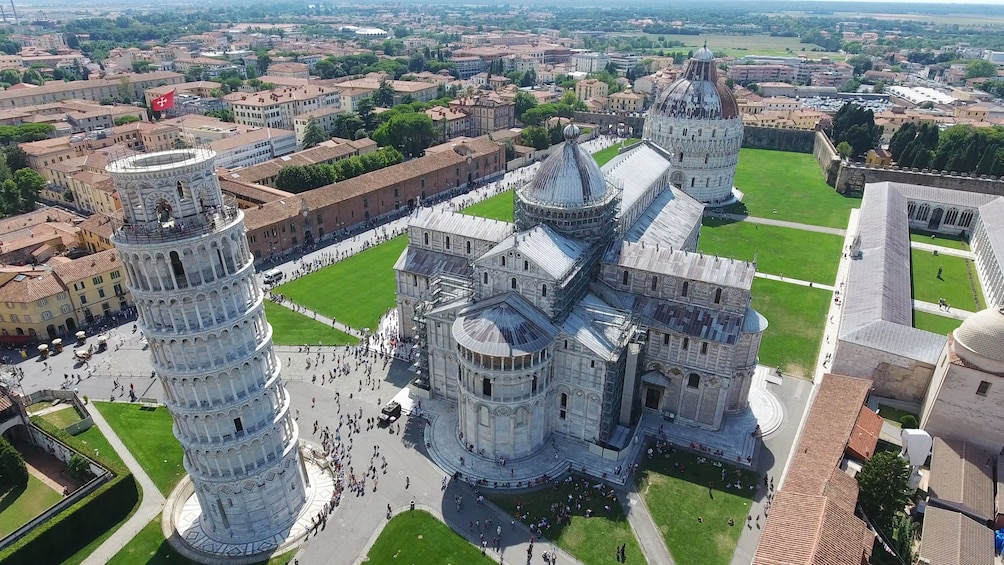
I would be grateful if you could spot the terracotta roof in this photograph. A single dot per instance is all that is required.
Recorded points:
(252, 191)
(101, 225)
(318, 198)
(826, 431)
(319, 154)
(88, 266)
(812, 519)
(864, 436)
(31, 287)
(32, 219)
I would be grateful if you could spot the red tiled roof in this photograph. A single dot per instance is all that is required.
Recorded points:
(865, 435)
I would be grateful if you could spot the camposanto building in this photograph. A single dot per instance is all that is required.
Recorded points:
(593, 307)
(697, 121)
(191, 274)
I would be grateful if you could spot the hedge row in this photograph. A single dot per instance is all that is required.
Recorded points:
(59, 538)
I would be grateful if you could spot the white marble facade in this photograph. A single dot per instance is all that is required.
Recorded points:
(192, 276)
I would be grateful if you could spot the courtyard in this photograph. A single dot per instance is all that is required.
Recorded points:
(954, 279)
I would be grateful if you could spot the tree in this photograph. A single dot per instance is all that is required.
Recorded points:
(10, 76)
(223, 114)
(844, 149)
(79, 467)
(15, 157)
(884, 488)
(29, 183)
(31, 76)
(536, 137)
(903, 136)
(13, 471)
(313, 134)
(128, 119)
(408, 133)
(529, 78)
(855, 125)
(383, 96)
(980, 68)
(524, 101)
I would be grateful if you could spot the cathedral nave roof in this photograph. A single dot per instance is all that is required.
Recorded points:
(430, 263)
(686, 319)
(599, 327)
(669, 220)
(461, 225)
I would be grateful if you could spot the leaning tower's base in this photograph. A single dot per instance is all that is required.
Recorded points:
(182, 525)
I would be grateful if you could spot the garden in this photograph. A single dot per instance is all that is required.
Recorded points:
(954, 279)
(419, 538)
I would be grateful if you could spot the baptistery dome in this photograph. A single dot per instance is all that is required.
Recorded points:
(697, 121)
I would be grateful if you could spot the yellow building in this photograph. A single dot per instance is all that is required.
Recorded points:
(53, 300)
(591, 88)
(878, 157)
(627, 102)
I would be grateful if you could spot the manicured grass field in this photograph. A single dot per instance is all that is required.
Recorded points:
(892, 415)
(604, 155)
(62, 418)
(935, 323)
(150, 548)
(791, 184)
(957, 283)
(498, 207)
(592, 541)
(741, 45)
(796, 316)
(147, 435)
(356, 291)
(677, 496)
(939, 239)
(19, 505)
(790, 252)
(419, 538)
(291, 328)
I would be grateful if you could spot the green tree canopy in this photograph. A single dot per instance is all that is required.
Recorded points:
(313, 134)
(13, 471)
(884, 488)
(980, 68)
(408, 133)
(536, 137)
(383, 96)
(524, 101)
(128, 119)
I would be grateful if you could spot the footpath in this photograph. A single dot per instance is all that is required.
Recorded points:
(150, 506)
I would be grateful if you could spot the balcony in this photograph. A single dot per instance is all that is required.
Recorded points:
(210, 220)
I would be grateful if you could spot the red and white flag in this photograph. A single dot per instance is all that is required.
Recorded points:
(161, 103)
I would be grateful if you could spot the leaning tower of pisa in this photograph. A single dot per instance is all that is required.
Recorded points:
(192, 276)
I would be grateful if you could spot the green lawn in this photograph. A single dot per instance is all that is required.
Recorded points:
(935, 323)
(419, 538)
(676, 497)
(892, 415)
(150, 548)
(291, 328)
(356, 291)
(796, 317)
(63, 418)
(19, 505)
(957, 284)
(591, 540)
(940, 239)
(791, 184)
(147, 435)
(498, 207)
(604, 155)
(790, 252)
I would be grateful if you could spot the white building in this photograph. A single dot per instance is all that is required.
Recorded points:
(279, 108)
(592, 308)
(590, 61)
(696, 120)
(191, 274)
(253, 147)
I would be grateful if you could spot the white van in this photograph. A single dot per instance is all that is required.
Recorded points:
(273, 276)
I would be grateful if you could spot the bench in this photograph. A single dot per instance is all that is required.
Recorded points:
(149, 402)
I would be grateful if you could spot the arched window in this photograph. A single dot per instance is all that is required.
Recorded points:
(966, 218)
(694, 380)
(426, 237)
(468, 248)
(543, 290)
(923, 212)
(655, 283)
(718, 296)
(692, 179)
(526, 265)
(447, 242)
(177, 265)
(486, 387)
(512, 283)
(705, 158)
(624, 278)
(503, 260)
(486, 277)
(181, 190)
(686, 287)
(483, 416)
(951, 216)
(686, 343)
(911, 207)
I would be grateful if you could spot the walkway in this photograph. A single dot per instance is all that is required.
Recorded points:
(799, 282)
(150, 506)
(932, 308)
(645, 531)
(943, 250)
(779, 223)
(318, 317)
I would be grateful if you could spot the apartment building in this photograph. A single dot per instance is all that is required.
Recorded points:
(279, 108)
(253, 147)
(746, 74)
(131, 85)
(591, 88)
(488, 112)
(449, 122)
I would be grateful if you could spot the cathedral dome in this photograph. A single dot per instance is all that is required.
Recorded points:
(502, 330)
(567, 178)
(698, 93)
(981, 338)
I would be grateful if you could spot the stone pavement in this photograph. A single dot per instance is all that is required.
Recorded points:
(932, 247)
(149, 507)
(932, 308)
(778, 223)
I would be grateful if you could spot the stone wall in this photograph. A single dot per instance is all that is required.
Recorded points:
(852, 177)
(778, 139)
(894, 376)
(826, 157)
(606, 120)
(68, 396)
